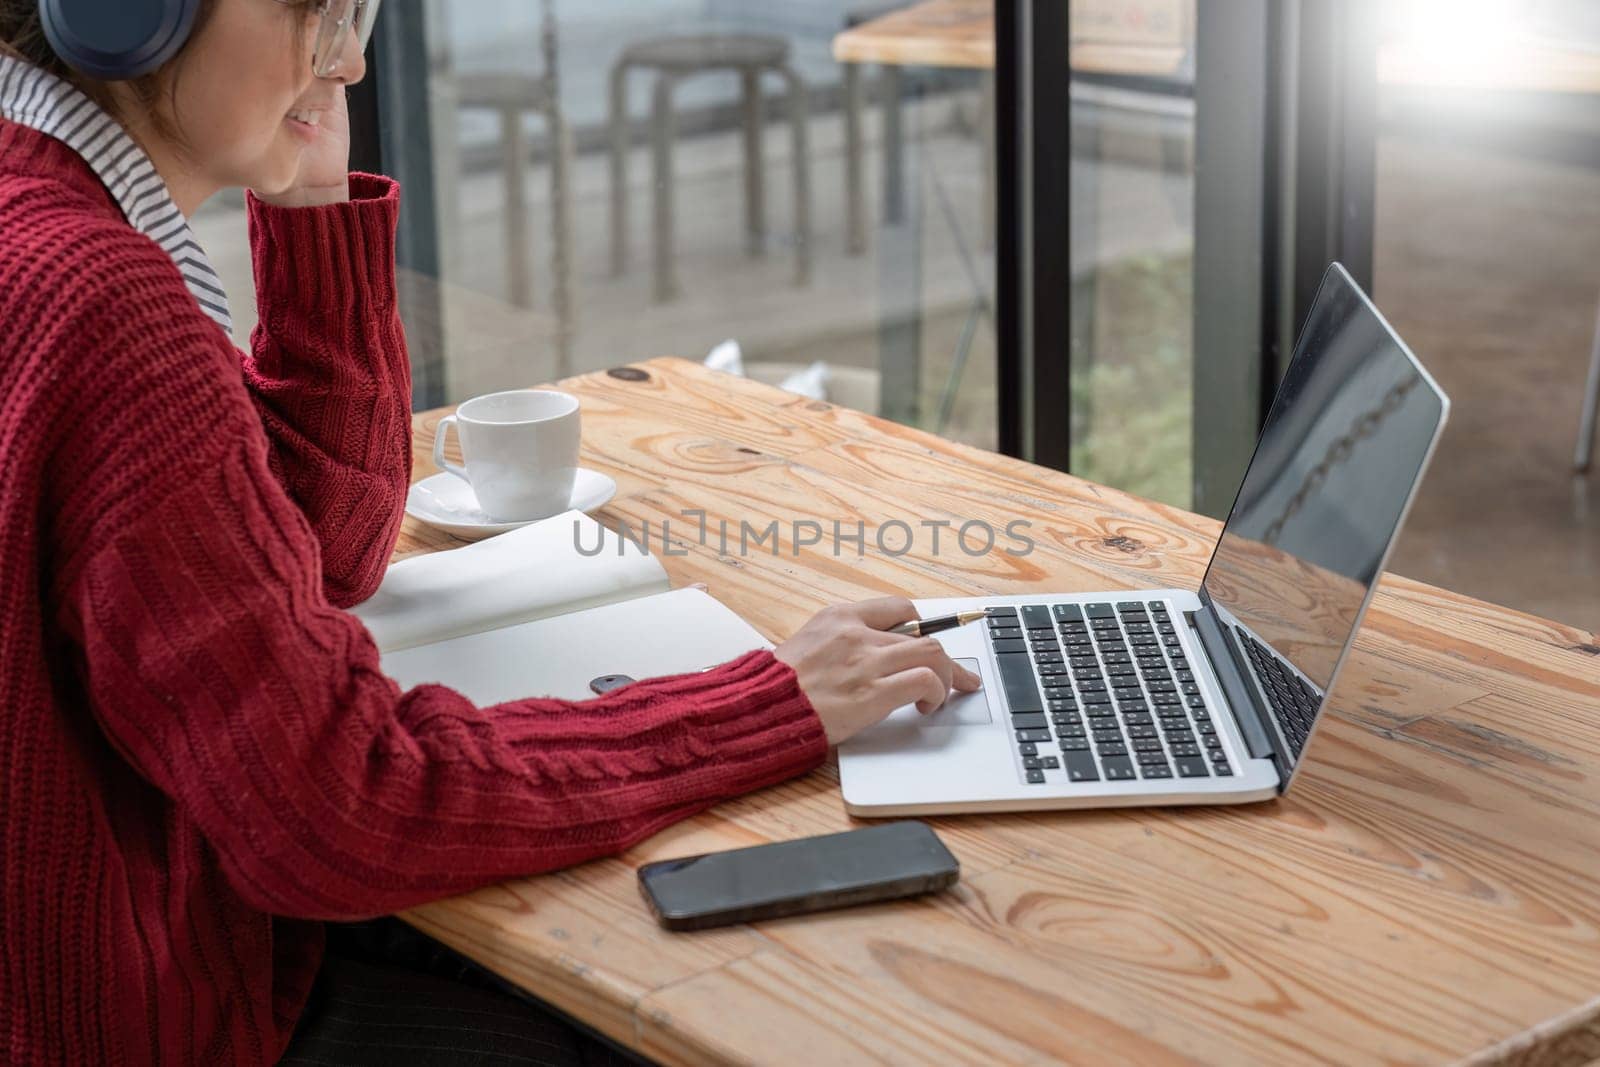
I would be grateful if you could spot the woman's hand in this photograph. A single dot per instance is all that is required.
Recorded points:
(324, 176)
(855, 674)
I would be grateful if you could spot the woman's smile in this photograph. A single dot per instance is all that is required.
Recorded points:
(305, 122)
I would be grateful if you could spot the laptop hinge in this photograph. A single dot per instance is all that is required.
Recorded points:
(1248, 709)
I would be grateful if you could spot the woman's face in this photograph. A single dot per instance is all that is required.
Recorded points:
(245, 102)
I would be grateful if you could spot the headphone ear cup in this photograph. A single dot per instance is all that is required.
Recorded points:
(117, 40)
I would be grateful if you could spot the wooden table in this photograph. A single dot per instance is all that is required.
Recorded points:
(1430, 891)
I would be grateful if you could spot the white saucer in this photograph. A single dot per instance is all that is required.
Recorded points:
(447, 503)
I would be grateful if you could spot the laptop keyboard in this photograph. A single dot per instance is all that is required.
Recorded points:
(1294, 703)
(1102, 692)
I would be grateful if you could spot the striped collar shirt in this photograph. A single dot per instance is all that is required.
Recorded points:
(40, 101)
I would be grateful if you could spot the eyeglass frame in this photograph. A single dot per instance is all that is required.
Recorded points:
(332, 41)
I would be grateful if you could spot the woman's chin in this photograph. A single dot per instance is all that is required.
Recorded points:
(279, 174)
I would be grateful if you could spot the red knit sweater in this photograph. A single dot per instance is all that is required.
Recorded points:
(199, 757)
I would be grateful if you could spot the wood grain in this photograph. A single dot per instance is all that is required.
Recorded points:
(960, 33)
(935, 33)
(1429, 892)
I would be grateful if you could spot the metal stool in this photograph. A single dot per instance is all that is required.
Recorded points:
(1591, 401)
(676, 58)
(511, 96)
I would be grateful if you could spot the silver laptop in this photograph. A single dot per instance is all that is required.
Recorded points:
(1168, 696)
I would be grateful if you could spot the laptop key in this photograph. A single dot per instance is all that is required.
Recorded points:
(1186, 750)
(1222, 770)
(1004, 633)
(1004, 647)
(1111, 750)
(1033, 735)
(1156, 770)
(1118, 768)
(1037, 615)
(1030, 720)
(1032, 763)
(1080, 766)
(1074, 744)
(1067, 613)
(1028, 748)
(1051, 763)
(1192, 767)
(1099, 611)
(1004, 612)
(1036, 777)
(1016, 675)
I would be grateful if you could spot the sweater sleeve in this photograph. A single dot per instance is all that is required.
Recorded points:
(330, 376)
(218, 669)
(187, 585)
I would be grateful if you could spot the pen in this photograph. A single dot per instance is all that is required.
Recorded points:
(925, 627)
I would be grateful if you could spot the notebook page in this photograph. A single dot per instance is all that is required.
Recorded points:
(670, 633)
(548, 568)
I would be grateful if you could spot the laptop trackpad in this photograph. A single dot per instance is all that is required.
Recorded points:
(962, 709)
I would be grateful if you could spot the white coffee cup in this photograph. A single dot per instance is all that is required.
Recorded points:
(521, 451)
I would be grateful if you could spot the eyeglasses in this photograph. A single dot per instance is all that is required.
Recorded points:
(338, 18)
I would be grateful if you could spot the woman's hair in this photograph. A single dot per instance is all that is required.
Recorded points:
(22, 36)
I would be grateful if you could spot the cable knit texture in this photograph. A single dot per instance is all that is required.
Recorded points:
(201, 756)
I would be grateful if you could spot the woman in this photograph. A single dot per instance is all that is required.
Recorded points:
(202, 759)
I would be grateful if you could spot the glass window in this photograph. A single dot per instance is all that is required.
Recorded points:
(1485, 259)
(1132, 234)
(615, 180)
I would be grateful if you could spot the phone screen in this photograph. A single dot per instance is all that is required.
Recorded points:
(876, 863)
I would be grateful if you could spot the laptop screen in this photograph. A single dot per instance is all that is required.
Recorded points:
(1343, 447)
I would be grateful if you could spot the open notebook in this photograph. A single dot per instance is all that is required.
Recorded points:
(538, 612)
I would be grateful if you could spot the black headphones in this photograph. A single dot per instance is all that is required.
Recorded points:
(115, 40)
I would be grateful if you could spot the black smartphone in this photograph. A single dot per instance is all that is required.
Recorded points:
(899, 859)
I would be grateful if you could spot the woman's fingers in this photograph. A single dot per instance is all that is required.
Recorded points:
(884, 612)
(966, 681)
(917, 652)
(917, 685)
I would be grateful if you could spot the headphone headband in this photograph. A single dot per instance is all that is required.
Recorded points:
(116, 40)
